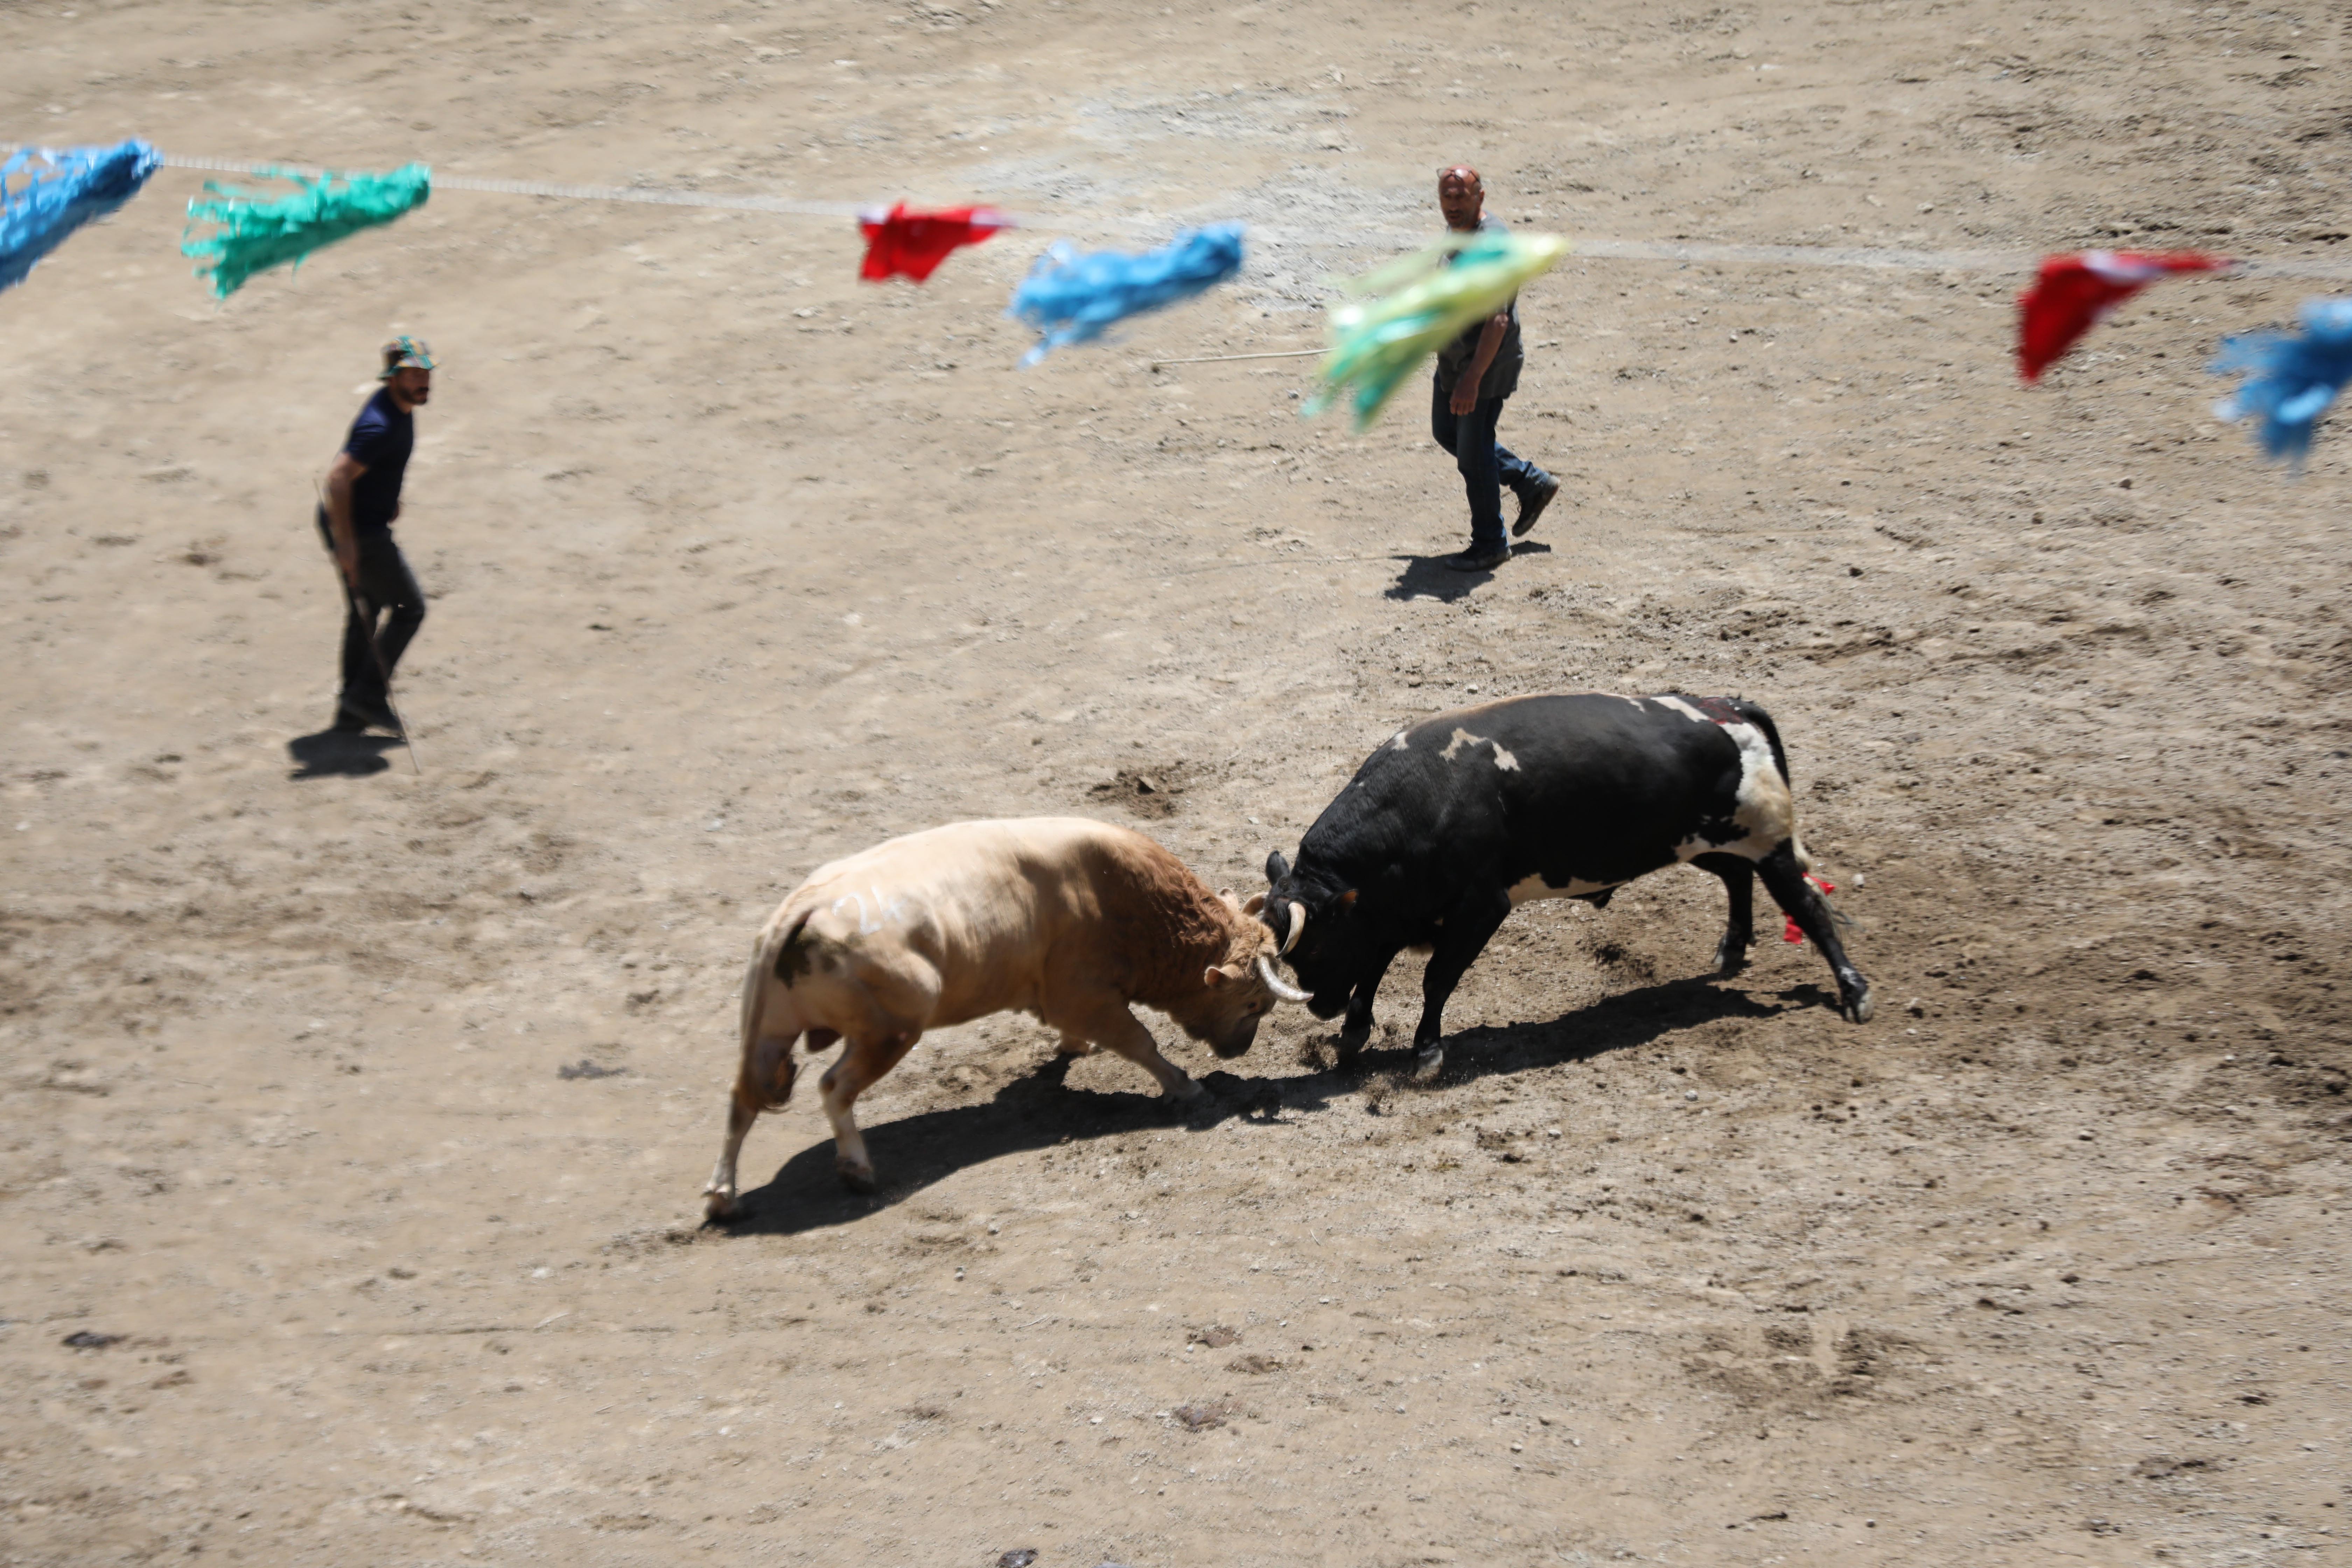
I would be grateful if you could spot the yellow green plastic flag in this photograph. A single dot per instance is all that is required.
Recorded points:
(1420, 303)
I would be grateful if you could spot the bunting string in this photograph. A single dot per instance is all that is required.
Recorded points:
(1371, 237)
(1068, 298)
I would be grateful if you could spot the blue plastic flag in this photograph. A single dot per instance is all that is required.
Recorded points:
(45, 195)
(1071, 297)
(2290, 381)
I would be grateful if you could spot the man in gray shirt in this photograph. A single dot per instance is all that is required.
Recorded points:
(1476, 373)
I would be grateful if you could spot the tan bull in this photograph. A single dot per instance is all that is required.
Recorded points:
(1069, 920)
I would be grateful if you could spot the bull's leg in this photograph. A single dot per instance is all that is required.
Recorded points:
(863, 1063)
(1357, 1026)
(1110, 1024)
(1467, 929)
(1738, 874)
(763, 1082)
(719, 1197)
(1785, 880)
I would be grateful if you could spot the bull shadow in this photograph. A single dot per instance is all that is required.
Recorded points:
(1040, 1110)
(1429, 577)
(1626, 1021)
(1034, 1112)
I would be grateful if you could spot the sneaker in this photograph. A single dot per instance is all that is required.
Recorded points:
(1532, 502)
(1476, 560)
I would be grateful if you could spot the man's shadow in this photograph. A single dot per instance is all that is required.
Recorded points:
(1429, 577)
(1038, 1110)
(338, 753)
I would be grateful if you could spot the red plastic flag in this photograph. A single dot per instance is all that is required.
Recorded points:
(1790, 931)
(2075, 291)
(915, 243)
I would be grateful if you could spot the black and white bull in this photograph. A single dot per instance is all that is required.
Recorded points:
(1454, 821)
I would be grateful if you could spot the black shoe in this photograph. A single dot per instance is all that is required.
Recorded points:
(1476, 560)
(1532, 502)
(357, 714)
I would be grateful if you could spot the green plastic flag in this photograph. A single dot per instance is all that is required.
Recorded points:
(255, 231)
(1422, 302)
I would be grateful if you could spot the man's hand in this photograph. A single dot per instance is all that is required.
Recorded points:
(1490, 343)
(340, 479)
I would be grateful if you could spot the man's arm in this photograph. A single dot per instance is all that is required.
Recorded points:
(1490, 343)
(340, 479)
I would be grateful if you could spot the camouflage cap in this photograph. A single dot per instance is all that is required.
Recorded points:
(405, 353)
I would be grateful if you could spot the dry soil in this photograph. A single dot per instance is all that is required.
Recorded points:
(355, 1115)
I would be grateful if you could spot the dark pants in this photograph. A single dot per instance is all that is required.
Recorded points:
(387, 589)
(1486, 467)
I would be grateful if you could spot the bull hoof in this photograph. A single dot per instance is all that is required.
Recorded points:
(858, 1179)
(1858, 1006)
(1188, 1092)
(1428, 1065)
(718, 1202)
(1729, 960)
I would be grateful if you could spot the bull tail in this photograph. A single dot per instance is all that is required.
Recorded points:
(772, 1024)
(1757, 716)
(772, 1027)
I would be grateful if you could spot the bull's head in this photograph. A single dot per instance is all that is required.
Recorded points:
(1236, 994)
(1319, 932)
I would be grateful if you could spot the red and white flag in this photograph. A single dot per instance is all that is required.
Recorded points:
(2075, 291)
(913, 244)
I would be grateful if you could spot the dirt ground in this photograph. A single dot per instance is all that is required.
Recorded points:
(355, 1117)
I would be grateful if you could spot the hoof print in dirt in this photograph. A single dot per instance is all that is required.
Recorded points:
(1019, 1557)
(1202, 1417)
(1216, 1337)
(86, 1340)
(583, 1067)
(1149, 792)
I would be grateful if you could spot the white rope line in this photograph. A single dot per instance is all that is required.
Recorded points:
(1907, 260)
(538, 188)
(1220, 358)
(1596, 248)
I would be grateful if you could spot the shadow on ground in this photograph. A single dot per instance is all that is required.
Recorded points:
(1032, 1112)
(338, 753)
(1429, 577)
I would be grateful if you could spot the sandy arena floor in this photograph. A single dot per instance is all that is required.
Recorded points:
(369, 1108)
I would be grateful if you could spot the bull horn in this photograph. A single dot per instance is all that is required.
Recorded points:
(1275, 983)
(1297, 925)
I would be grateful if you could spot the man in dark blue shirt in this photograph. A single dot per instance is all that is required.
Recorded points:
(1476, 373)
(362, 499)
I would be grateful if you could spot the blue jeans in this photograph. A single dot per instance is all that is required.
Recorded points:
(1486, 465)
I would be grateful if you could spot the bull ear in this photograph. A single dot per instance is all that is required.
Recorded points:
(1347, 899)
(1276, 869)
(1256, 903)
(1216, 975)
